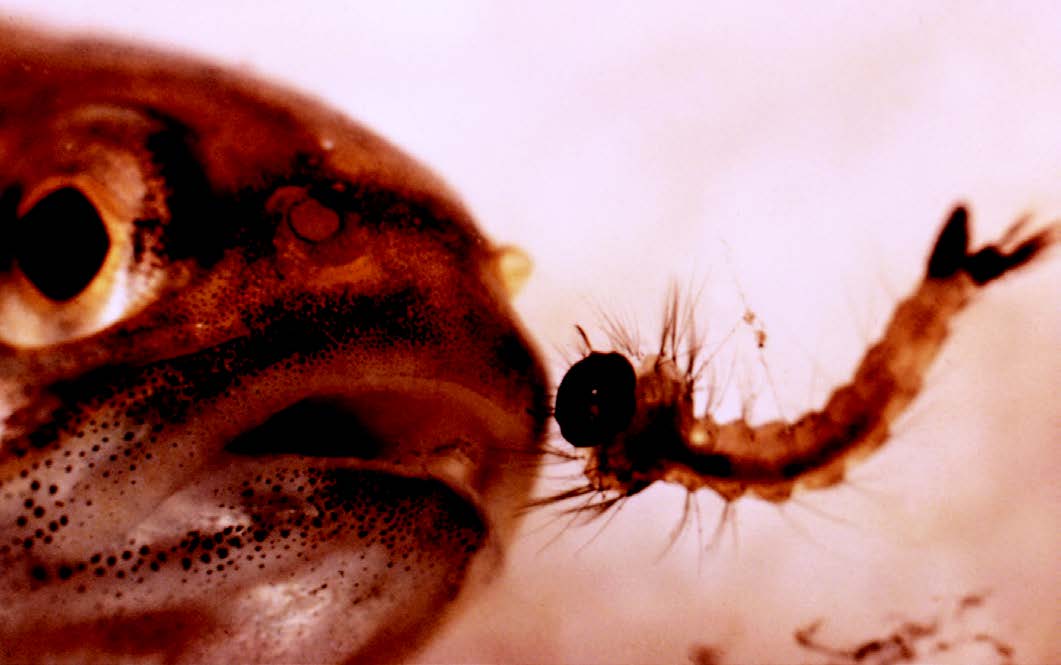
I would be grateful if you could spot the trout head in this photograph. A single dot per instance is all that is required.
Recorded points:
(262, 395)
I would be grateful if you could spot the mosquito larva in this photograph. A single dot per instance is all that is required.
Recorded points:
(636, 426)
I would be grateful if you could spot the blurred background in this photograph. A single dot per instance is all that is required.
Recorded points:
(797, 163)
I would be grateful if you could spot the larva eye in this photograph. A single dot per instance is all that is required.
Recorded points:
(60, 244)
(596, 399)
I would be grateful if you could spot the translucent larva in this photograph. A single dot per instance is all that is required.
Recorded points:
(632, 419)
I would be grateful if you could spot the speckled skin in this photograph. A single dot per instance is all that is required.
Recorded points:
(274, 255)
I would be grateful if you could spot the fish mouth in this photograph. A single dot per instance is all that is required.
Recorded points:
(418, 428)
(421, 423)
(388, 498)
(340, 523)
(423, 433)
(321, 426)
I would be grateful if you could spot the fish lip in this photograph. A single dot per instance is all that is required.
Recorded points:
(417, 428)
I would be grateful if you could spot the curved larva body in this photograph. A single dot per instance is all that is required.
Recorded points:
(648, 430)
(632, 417)
(276, 422)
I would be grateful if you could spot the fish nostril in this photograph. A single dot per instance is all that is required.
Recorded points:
(316, 427)
(313, 222)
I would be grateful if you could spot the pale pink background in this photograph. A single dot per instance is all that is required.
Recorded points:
(805, 158)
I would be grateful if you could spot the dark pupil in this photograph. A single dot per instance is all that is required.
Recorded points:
(61, 243)
(596, 399)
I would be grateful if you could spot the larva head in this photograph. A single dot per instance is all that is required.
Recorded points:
(260, 386)
(631, 423)
(596, 399)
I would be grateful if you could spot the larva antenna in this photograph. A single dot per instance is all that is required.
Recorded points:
(587, 345)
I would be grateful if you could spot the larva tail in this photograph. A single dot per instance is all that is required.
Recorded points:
(951, 254)
(816, 450)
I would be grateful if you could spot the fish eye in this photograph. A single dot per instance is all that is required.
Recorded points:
(68, 265)
(60, 244)
(596, 399)
(83, 225)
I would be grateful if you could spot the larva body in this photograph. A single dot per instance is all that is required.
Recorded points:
(639, 426)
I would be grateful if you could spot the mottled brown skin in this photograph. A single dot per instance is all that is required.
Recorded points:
(170, 489)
